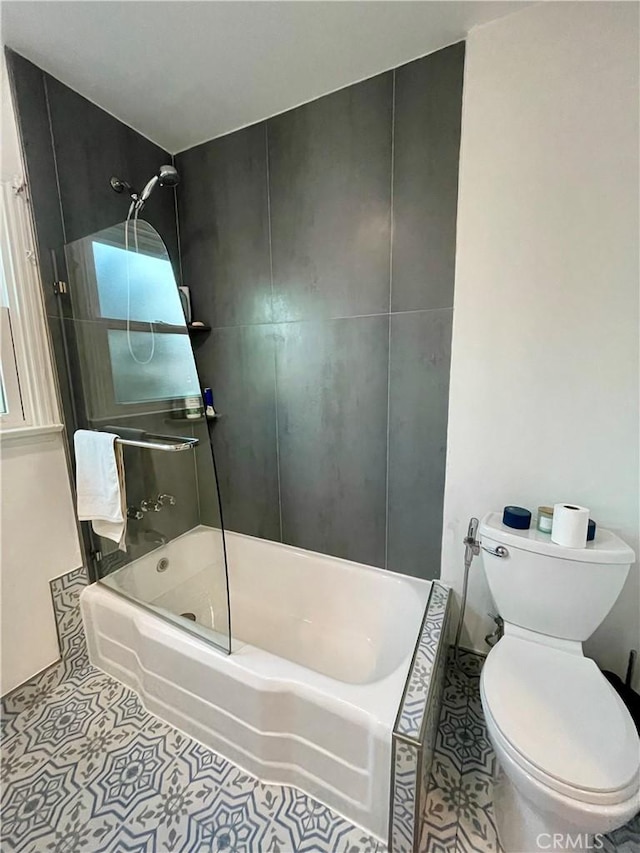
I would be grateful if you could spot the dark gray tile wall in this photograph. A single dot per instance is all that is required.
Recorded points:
(418, 403)
(90, 146)
(243, 359)
(286, 236)
(332, 429)
(330, 192)
(225, 231)
(425, 180)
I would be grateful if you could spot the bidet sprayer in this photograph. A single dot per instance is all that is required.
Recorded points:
(471, 549)
(472, 545)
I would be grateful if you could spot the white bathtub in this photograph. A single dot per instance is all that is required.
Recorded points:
(321, 651)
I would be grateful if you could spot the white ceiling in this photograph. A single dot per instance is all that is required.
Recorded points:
(184, 72)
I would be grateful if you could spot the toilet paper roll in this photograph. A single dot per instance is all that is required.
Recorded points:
(569, 527)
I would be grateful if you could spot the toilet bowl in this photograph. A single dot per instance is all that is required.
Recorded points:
(568, 752)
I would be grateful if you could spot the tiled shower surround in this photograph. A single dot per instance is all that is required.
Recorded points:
(85, 769)
(320, 245)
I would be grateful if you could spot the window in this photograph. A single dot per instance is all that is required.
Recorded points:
(153, 290)
(11, 410)
(134, 355)
(27, 396)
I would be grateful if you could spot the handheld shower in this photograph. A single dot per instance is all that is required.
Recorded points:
(166, 176)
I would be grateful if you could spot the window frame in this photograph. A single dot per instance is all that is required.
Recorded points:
(26, 354)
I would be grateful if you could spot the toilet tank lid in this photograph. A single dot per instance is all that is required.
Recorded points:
(605, 548)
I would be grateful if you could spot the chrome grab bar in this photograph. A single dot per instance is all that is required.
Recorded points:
(498, 551)
(171, 443)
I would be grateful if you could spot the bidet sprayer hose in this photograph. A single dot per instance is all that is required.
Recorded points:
(472, 547)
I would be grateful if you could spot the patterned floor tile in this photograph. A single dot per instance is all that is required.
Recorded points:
(474, 744)
(458, 816)
(459, 687)
(175, 809)
(326, 832)
(287, 810)
(17, 762)
(441, 810)
(34, 693)
(454, 737)
(470, 663)
(32, 806)
(476, 825)
(438, 840)
(236, 820)
(624, 840)
(76, 829)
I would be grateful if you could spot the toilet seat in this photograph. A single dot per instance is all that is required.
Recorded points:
(560, 721)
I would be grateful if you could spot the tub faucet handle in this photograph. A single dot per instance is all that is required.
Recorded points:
(149, 506)
(166, 500)
(134, 512)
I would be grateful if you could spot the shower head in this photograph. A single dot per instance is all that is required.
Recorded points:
(166, 176)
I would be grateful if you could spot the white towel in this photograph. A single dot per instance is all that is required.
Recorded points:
(100, 486)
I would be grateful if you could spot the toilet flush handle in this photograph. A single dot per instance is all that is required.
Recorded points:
(498, 551)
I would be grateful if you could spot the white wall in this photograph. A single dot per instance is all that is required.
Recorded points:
(39, 542)
(544, 375)
(39, 539)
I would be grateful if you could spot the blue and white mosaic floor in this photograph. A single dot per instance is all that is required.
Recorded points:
(86, 769)
(458, 816)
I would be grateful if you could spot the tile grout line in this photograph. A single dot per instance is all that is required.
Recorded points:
(275, 355)
(393, 135)
(332, 319)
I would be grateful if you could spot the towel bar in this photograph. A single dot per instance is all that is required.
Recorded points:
(160, 442)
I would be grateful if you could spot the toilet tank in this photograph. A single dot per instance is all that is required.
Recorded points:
(557, 591)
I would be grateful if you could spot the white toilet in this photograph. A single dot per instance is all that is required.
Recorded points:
(568, 751)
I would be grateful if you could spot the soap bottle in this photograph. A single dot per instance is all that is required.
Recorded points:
(209, 410)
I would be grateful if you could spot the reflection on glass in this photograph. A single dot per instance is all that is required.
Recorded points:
(169, 374)
(132, 368)
(135, 285)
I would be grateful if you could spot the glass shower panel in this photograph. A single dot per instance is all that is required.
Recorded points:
(169, 375)
(134, 374)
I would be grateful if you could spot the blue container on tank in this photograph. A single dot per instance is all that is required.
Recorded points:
(517, 517)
